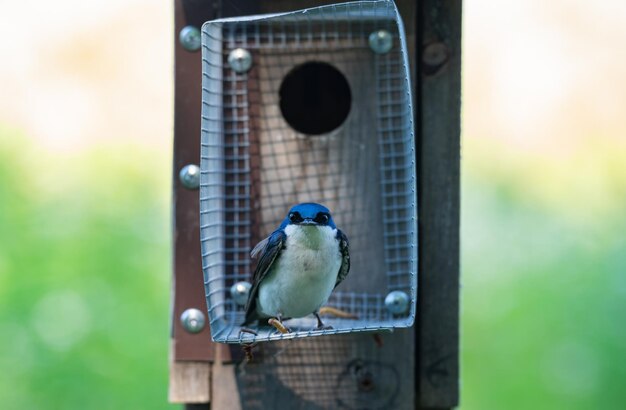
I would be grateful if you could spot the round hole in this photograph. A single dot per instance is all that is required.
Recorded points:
(315, 98)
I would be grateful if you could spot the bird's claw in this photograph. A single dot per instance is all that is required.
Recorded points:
(320, 324)
(246, 330)
(247, 350)
(247, 347)
(279, 325)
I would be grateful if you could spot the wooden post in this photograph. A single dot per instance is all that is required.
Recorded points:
(414, 368)
(190, 353)
(438, 112)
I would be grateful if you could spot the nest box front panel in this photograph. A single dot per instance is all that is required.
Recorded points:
(308, 107)
(338, 169)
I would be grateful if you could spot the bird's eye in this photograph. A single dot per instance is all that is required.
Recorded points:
(295, 217)
(321, 218)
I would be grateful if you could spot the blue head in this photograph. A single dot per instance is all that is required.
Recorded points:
(310, 214)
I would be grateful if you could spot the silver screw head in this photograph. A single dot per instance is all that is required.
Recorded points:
(190, 38)
(397, 302)
(239, 292)
(190, 176)
(240, 60)
(192, 320)
(381, 41)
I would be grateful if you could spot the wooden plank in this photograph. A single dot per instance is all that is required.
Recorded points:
(190, 371)
(224, 382)
(188, 286)
(438, 158)
(189, 382)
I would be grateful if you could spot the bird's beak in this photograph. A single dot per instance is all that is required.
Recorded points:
(308, 221)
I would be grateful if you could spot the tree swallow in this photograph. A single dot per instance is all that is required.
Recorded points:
(300, 264)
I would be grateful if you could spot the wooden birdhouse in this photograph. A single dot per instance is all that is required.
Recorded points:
(283, 107)
(310, 106)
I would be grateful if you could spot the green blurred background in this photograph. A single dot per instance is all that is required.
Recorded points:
(85, 156)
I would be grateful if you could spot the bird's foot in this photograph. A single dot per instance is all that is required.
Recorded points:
(247, 347)
(278, 324)
(247, 350)
(320, 324)
(246, 330)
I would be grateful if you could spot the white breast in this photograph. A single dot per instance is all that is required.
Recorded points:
(304, 275)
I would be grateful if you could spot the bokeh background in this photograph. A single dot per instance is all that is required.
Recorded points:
(85, 154)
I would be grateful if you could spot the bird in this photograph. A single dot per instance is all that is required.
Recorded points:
(299, 265)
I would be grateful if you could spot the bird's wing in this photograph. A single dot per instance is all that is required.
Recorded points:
(269, 249)
(259, 247)
(345, 257)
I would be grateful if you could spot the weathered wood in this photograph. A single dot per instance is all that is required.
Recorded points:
(438, 158)
(224, 390)
(189, 382)
(188, 287)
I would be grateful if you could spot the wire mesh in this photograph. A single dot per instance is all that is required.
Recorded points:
(345, 371)
(255, 166)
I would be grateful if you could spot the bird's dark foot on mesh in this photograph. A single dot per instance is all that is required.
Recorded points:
(247, 347)
(320, 324)
(246, 330)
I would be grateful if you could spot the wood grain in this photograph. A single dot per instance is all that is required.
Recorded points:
(224, 383)
(189, 382)
(438, 159)
(187, 282)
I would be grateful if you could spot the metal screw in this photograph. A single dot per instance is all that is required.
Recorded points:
(239, 292)
(192, 320)
(397, 302)
(190, 176)
(190, 38)
(381, 41)
(240, 60)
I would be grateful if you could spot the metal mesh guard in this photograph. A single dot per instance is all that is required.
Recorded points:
(254, 166)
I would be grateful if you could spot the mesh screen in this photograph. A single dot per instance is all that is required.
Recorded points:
(341, 372)
(255, 165)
